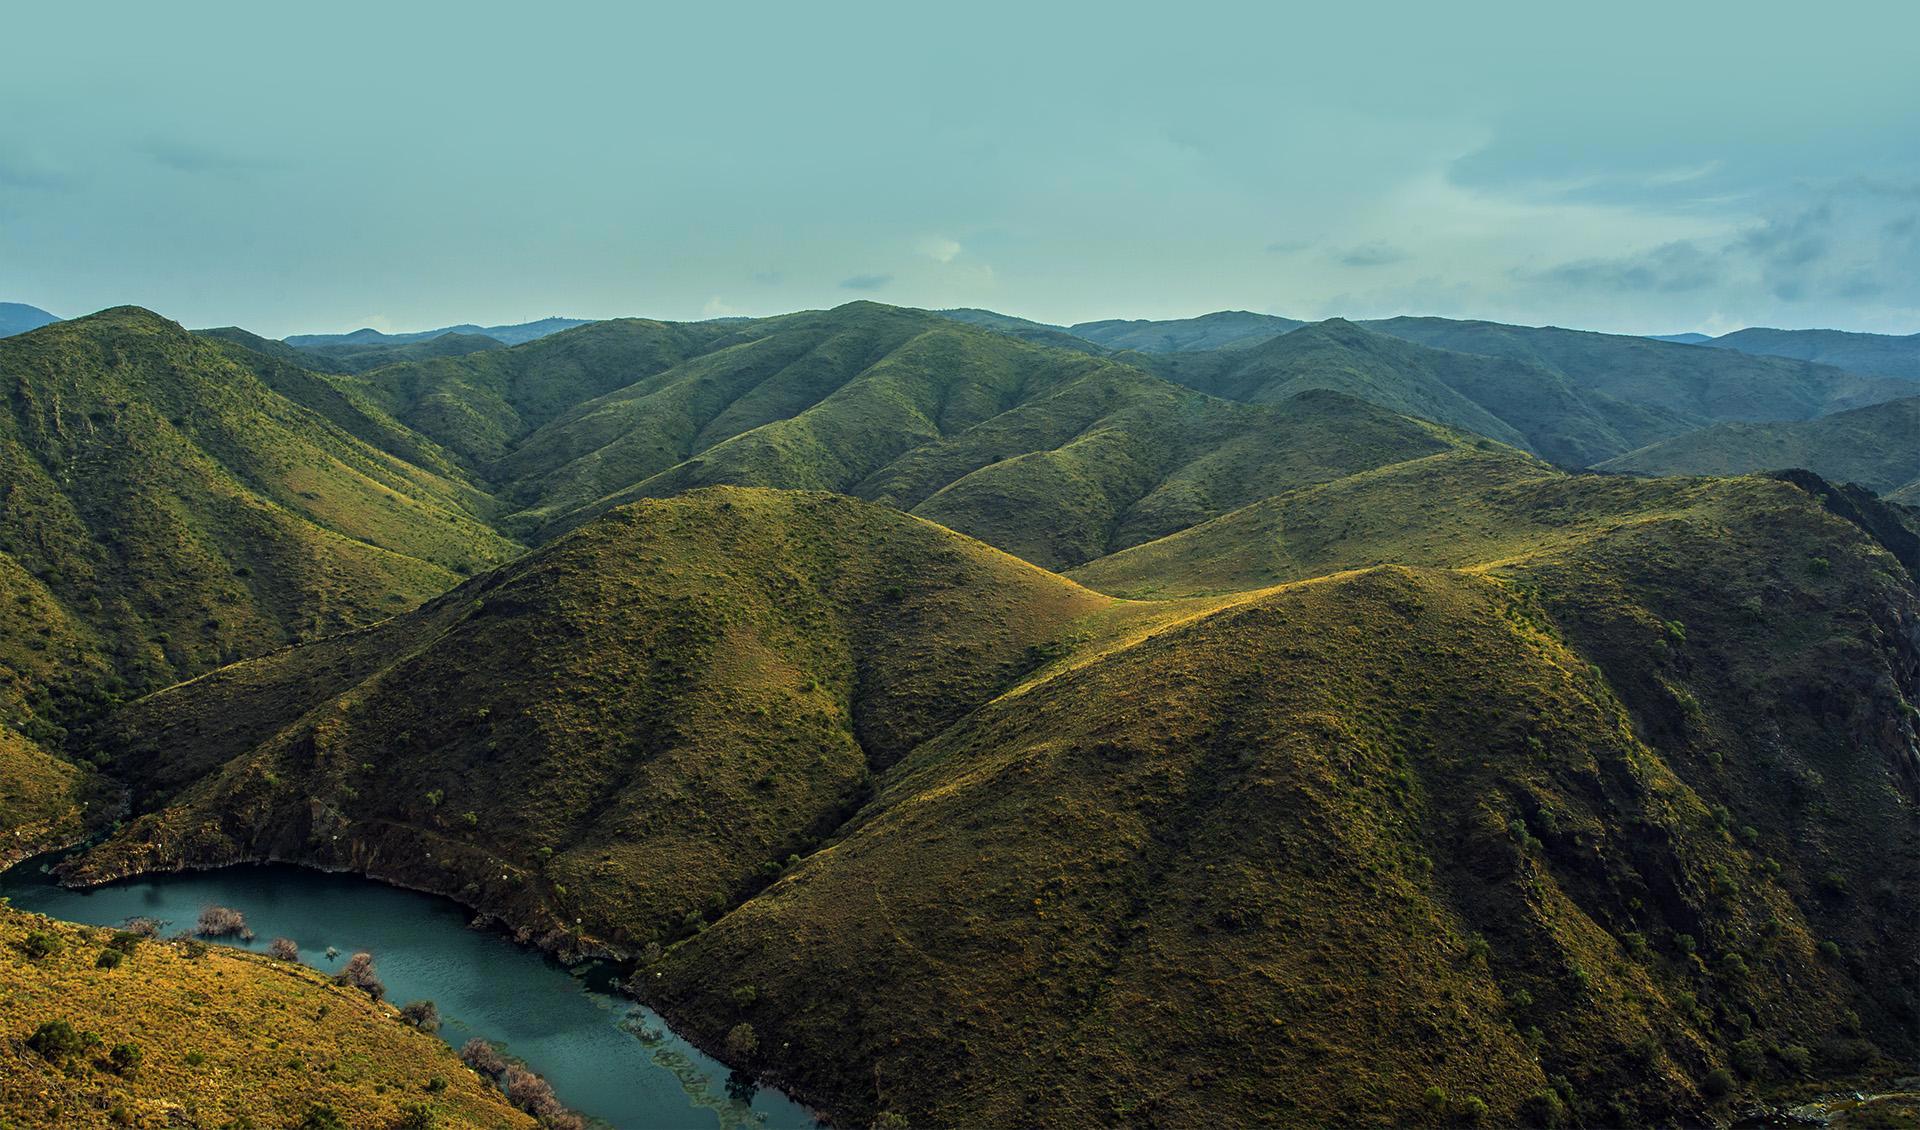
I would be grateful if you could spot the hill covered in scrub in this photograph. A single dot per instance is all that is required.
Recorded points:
(101, 1029)
(1877, 447)
(1548, 828)
(162, 511)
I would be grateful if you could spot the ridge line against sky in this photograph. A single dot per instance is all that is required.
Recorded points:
(1646, 169)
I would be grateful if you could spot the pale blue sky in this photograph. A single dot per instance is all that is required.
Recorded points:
(1626, 166)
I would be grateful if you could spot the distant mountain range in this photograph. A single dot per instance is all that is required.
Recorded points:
(18, 318)
(511, 335)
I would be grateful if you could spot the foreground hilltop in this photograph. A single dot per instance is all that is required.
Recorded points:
(177, 1030)
(1551, 832)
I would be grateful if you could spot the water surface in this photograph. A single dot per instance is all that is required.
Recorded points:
(607, 1057)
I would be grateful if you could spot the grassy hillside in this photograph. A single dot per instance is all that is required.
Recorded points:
(629, 729)
(163, 510)
(1224, 329)
(1056, 456)
(1877, 447)
(481, 405)
(45, 803)
(1702, 385)
(1614, 805)
(1884, 355)
(215, 1037)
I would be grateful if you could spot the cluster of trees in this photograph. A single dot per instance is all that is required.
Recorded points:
(524, 1088)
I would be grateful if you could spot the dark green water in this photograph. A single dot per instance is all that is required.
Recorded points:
(608, 1058)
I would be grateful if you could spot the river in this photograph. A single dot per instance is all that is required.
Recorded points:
(608, 1058)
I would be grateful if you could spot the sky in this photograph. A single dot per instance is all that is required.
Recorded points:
(1631, 167)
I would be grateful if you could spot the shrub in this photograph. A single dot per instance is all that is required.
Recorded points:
(283, 949)
(1749, 1058)
(359, 974)
(57, 1040)
(1830, 950)
(125, 942)
(40, 945)
(109, 959)
(322, 1117)
(124, 1060)
(223, 922)
(742, 1042)
(143, 927)
(1797, 1058)
(1717, 1084)
(531, 1093)
(422, 1015)
(416, 1116)
(483, 1057)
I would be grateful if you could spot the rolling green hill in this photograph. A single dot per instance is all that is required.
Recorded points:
(1056, 456)
(1877, 447)
(1561, 829)
(481, 405)
(163, 510)
(1884, 355)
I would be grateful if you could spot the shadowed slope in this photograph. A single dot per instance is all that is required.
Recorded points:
(1877, 447)
(1702, 385)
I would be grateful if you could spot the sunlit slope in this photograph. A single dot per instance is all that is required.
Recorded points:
(224, 1038)
(167, 511)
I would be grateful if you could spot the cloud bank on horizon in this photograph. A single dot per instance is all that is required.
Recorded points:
(1639, 168)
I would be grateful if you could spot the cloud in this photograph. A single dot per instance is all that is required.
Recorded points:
(940, 249)
(716, 308)
(769, 277)
(865, 282)
(1672, 267)
(1371, 255)
(1850, 242)
(23, 170)
(187, 157)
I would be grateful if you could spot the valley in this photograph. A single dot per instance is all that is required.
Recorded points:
(1173, 723)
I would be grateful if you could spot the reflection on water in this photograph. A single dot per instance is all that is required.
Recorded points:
(608, 1058)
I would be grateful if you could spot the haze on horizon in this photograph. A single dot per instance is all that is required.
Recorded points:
(1640, 168)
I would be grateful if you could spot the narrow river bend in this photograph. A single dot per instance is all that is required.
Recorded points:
(608, 1058)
